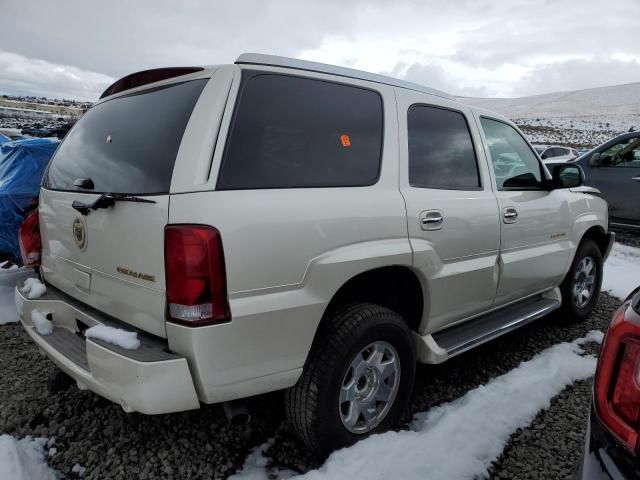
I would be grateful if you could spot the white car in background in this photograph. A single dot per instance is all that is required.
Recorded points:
(559, 154)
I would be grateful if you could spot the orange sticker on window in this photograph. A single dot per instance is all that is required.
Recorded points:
(345, 140)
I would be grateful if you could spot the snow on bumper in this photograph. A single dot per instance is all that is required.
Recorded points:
(150, 381)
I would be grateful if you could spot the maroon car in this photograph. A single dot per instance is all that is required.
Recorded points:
(613, 438)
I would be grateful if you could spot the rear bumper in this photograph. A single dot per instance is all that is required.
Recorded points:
(603, 457)
(149, 380)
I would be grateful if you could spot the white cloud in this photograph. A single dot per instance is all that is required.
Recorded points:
(578, 74)
(469, 46)
(22, 75)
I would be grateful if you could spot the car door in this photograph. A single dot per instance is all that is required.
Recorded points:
(617, 176)
(452, 213)
(535, 250)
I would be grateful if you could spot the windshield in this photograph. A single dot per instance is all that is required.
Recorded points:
(127, 144)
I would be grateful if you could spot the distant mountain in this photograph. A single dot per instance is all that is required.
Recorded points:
(620, 101)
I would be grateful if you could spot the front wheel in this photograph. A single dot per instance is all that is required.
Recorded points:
(357, 380)
(581, 287)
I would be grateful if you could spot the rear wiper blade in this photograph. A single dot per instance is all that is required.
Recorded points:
(107, 200)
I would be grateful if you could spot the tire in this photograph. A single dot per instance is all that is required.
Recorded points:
(357, 349)
(579, 307)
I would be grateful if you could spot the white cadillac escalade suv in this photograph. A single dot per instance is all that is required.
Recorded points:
(281, 224)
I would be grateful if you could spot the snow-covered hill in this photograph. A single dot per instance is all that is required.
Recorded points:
(579, 118)
(618, 100)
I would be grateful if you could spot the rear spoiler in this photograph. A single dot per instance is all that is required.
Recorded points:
(145, 77)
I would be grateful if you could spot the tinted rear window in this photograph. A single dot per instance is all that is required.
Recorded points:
(291, 132)
(128, 144)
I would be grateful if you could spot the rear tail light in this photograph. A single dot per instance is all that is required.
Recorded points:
(196, 277)
(617, 383)
(29, 238)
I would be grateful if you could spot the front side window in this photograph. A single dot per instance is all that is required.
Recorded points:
(441, 153)
(515, 165)
(622, 154)
(293, 132)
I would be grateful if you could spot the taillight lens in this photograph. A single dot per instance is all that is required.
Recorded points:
(29, 238)
(617, 383)
(196, 277)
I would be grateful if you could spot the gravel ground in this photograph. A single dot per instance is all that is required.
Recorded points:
(112, 444)
(628, 236)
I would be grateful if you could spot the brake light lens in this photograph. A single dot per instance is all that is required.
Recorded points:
(196, 277)
(29, 239)
(617, 383)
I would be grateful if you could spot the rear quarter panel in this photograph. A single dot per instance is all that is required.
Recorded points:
(287, 252)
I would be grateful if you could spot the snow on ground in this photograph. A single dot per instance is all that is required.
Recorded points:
(255, 464)
(24, 459)
(8, 280)
(459, 439)
(115, 336)
(622, 271)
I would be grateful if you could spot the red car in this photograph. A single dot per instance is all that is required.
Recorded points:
(613, 438)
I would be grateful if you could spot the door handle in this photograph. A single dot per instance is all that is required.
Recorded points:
(510, 215)
(431, 220)
(635, 179)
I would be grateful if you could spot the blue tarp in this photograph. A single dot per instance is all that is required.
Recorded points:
(22, 164)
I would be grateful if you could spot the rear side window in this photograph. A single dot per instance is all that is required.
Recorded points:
(441, 153)
(127, 144)
(291, 132)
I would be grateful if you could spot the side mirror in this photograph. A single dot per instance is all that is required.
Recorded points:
(595, 160)
(568, 175)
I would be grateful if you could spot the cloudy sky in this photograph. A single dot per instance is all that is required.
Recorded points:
(509, 48)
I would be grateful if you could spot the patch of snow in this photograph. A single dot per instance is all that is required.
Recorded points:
(255, 466)
(115, 336)
(52, 451)
(12, 267)
(39, 320)
(33, 288)
(595, 336)
(79, 469)
(622, 271)
(459, 439)
(24, 459)
(8, 281)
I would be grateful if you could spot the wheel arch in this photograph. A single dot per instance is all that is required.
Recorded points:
(599, 236)
(396, 287)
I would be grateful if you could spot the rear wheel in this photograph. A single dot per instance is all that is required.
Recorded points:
(581, 287)
(357, 379)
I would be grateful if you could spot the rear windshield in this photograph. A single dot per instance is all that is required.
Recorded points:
(128, 144)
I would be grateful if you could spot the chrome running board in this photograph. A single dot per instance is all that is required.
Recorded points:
(465, 336)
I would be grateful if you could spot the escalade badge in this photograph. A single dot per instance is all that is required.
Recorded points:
(80, 233)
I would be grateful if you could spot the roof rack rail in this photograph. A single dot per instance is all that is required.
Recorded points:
(145, 77)
(277, 61)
